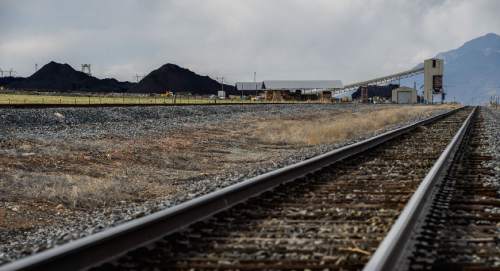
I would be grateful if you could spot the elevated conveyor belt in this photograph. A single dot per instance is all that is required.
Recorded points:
(379, 80)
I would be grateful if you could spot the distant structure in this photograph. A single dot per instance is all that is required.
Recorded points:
(375, 93)
(221, 79)
(9, 72)
(404, 95)
(86, 69)
(278, 90)
(138, 77)
(433, 79)
(303, 86)
(364, 94)
(249, 87)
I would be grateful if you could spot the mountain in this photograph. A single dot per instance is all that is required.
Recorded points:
(171, 77)
(472, 71)
(62, 77)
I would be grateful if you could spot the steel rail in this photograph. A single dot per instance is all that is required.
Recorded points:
(391, 253)
(111, 243)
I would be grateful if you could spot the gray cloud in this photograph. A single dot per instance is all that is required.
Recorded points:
(279, 39)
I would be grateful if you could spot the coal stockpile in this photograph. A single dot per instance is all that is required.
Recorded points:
(62, 77)
(10, 79)
(171, 77)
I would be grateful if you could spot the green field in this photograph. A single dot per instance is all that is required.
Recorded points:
(34, 99)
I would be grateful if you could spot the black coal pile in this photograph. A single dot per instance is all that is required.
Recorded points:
(62, 77)
(4, 81)
(171, 77)
(377, 91)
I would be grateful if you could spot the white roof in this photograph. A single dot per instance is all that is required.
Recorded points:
(249, 86)
(302, 84)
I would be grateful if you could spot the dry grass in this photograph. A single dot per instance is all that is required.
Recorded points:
(11, 98)
(336, 128)
(91, 172)
(71, 190)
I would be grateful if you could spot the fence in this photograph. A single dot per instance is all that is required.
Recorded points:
(23, 99)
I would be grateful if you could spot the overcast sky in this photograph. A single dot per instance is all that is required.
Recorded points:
(279, 39)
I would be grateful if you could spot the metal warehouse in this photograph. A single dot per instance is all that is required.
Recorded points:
(304, 85)
(248, 86)
(291, 85)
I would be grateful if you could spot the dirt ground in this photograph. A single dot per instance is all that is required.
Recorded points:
(43, 179)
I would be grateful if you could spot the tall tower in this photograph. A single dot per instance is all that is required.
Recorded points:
(86, 69)
(433, 78)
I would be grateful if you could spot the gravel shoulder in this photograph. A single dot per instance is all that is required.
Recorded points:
(492, 120)
(67, 173)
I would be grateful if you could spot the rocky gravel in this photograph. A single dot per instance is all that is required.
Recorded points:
(492, 125)
(462, 228)
(96, 123)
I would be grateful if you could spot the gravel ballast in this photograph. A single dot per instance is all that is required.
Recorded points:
(29, 133)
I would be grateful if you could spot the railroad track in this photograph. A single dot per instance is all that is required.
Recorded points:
(334, 214)
(453, 221)
(469, 202)
(459, 225)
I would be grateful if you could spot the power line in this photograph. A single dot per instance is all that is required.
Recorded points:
(139, 77)
(86, 67)
(221, 82)
(9, 72)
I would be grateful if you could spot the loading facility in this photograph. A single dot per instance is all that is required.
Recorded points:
(291, 89)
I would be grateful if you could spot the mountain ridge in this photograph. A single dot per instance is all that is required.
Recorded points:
(471, 71)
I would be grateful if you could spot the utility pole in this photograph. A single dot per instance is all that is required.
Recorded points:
(255, 81)
(36, 67)
(137, 77)
(87, 68)
(221, 82)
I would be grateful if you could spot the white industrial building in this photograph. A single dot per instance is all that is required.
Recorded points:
(248, 86)
(251, 88)
(404, 95)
